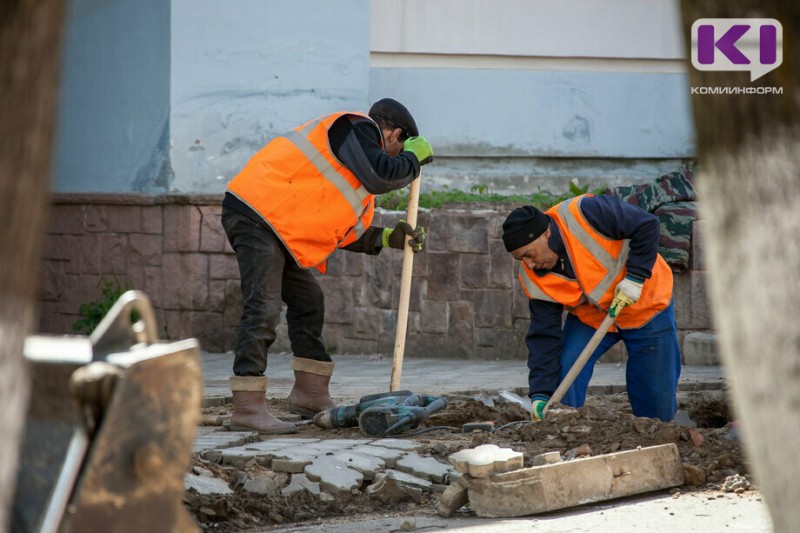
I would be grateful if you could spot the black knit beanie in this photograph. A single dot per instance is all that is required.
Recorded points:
(523, 226)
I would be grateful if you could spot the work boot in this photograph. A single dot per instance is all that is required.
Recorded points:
(250, 407)
(310, 393)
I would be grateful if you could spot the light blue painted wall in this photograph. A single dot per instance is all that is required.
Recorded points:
(245, 73)
(516, 129)
(114, 98)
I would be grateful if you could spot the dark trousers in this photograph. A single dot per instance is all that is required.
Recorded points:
(652, 370)
(269, 276)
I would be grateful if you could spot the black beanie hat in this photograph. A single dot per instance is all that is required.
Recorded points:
(396, 112)
(523, 226)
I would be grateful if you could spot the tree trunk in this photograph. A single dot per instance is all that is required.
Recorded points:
(749, 180)
(30, 38)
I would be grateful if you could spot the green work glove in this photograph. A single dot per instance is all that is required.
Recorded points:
(421, 148)
(396, 238)
(538, 401)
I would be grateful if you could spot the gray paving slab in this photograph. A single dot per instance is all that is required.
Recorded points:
(334, 477)
(388, 455)
(424, 467)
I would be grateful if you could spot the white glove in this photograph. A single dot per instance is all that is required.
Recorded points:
(627, 292)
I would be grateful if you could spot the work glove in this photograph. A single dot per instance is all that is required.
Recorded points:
(538, 401)
(396, 238)
(627, 292)
(420, 147)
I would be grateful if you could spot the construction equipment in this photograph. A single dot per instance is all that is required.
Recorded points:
(405, 289)
(584, 356)
(378, 415)
(110, 425)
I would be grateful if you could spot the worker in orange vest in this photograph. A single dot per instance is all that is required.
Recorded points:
(584, 256)
(304, 195)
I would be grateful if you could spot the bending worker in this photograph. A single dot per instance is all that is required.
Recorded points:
(302, 196)
(584, 256)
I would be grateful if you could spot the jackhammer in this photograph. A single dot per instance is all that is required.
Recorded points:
(378, 415)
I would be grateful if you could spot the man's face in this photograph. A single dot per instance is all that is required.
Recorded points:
(537, 255)
(391, 141)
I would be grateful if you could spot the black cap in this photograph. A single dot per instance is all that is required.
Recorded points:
(395, 112)
(523, 226)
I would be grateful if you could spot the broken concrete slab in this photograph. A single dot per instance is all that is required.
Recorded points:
(453, 498)
(546, 458)
(398, 444)
(298, 483)
(546, 488)
(366, 464)
(389, 489)
(209, 438)
(486, 460)
(291, 462)
(262, 485)
(206, 485)
(334, 476)
(424, 467)
(387, 455)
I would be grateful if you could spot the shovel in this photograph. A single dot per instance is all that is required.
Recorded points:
(587, 352)
(405, 289)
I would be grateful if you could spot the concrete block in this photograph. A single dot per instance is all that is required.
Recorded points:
(334, 477)
(206, 485)
(486, 460)
(410, 480)
(262, 485)
(299, 482)
(700, 349)
(390, 489)
(292, 462)
(546, 488)
(453, 498)
(388, 455)
(547, 458)
(398, 444)
(366, 464)
(424, 467)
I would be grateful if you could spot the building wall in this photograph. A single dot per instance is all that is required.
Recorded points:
(517, 95)
(464, 301)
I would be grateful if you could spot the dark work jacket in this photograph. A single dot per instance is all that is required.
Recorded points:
(616, 220)
(357, 144)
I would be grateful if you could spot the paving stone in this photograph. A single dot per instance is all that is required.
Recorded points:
(547, 458)
(300, 482)
(206, 485)
(700, 349)
(453, 498)
(215, 438)
(409, 479)
(334, 476)
(424, 467)
(262, 485)
(389, 489)
(240, 457)
(398, 444)
(366, 464)
(389, 455)
(292, 462)
(486, 460)
(547, 488)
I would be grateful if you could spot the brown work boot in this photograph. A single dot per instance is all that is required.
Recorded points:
(250, 407)
(310, 393)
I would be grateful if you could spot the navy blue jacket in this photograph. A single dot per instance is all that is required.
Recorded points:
(614, 219)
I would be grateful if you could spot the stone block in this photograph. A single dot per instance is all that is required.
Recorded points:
(113, 253)
(66, 219)
(53, 275)
(298, 483)
(146, 279)
(682, 298)
(292, 461)
(697, 259)
(389, 489)
(458, 232)
(474, 270)
(433, 316)
(354, 264)
(701, 306)
(124, 219)
(398, 444)
(423, 467)
(206, 327)
(212, 234)
(388, 455)
(366, 323)
(89, 254)
(206, 485)
(182, 228)
(461, 327)
(338, 300)
(519, 302)
(334, 477)
(486, 460)
(96, 217)
(546, 488)
(153, 220)
(262, 485)
(144, 249)
(501, 265)
(547, 458)
(492, 307)
(366, 464)
(185, 281)
(453, 498)
(216, 295)
(376, 287)
(443, 276)
(223, 266)
(700, 349)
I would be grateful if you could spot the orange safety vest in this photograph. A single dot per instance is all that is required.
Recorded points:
(599, 264)
(313, 203)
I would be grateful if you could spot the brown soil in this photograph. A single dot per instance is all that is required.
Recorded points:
(604, 425)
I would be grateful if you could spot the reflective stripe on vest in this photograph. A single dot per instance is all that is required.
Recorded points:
(355, 197)
(606, 260)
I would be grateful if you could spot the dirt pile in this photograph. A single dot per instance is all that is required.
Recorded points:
(710, 452)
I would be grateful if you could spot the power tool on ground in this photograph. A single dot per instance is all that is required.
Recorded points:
(387, 413)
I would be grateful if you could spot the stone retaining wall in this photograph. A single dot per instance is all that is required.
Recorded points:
(463, 301)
